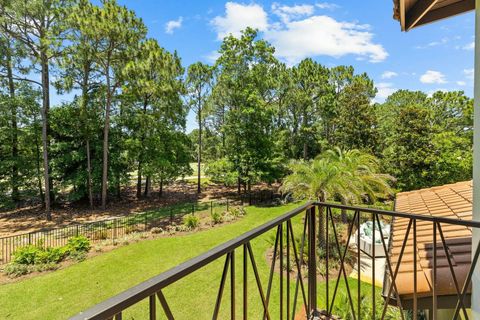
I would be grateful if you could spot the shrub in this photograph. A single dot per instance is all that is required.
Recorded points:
(50, 255)
(45, 267)
(78, 244)
(26, 255)
(17, 269)
(191, 222)
(237, 212)
(217, 217)
(77, 255)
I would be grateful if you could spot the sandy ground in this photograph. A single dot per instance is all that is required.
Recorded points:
(27, 219)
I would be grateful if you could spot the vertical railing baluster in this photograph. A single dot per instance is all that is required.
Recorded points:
(358, 265)
(232, 285)
(222, 286)
(312, 267)
(245, 285)
(299, 263)
(281, 271)
(327, 255)
(415, 269)
(373, 267)
(153, 307)
(272, 266)
(288, 271)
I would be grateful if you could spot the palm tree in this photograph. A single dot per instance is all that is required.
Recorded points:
(350, 176)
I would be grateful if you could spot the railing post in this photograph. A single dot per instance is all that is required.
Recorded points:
(312, 264)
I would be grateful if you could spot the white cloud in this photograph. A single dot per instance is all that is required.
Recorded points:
(432, 76)
(323, 35)
(298, 33)
(287, 13)
(238, 17)
(384, 90)
(461, 83)
(469, 46)
(469, 73)
(171, 25)
(389, 74)
(327, 5)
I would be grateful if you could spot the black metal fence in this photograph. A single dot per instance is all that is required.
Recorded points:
(301, 292)
(117, 228)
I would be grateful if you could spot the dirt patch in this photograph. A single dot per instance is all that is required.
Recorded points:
(31, 218)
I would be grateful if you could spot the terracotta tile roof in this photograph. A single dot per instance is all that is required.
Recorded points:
(452, 201)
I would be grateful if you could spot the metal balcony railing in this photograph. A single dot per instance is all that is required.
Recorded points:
(298, 296)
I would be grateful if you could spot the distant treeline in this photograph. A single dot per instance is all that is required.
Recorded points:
(131, 99)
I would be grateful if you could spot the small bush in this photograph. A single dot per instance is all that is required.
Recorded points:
(50, 255)
(183, 228)
(78, 244)
(217, 217)
(238, 212)
(191, 222)
(77, 255)
(16, 269)
(26, 255)
(45, 267)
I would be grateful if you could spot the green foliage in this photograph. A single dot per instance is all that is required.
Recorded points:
(350, 176)
(191, 221)
(222, 171)
(254, 113)
(38, 258)
(30, 255)
(217, 217)
(427, 140)
(26, 255)
(50, 255)
(78, 244)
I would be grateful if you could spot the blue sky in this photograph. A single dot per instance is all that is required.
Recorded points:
(358, 33)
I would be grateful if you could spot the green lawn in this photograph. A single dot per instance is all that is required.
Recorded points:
(65, 292)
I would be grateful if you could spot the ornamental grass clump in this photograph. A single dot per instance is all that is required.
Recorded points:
(191, 221)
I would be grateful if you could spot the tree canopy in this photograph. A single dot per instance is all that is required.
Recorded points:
(129, 100)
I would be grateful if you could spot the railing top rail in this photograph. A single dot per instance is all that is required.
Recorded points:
(465, 223)
(127, 298)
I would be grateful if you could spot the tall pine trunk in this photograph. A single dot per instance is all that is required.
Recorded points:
(38, 162)
(105, 140)
(147, 187)
(45, 142)
(85, 99)
(199, 158)
(14, 128)
(139, 179)
(89, 174)
(140, 156)
(160, 191)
